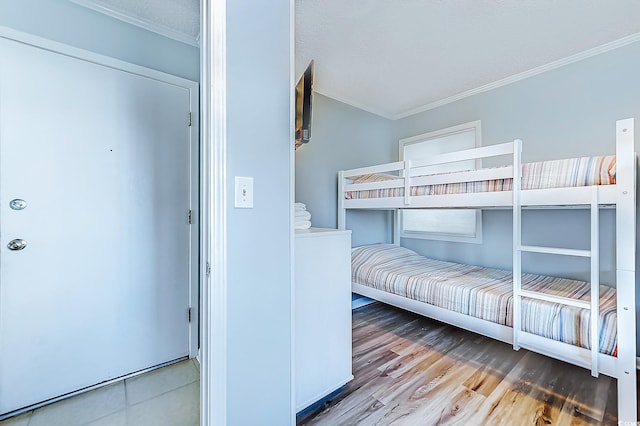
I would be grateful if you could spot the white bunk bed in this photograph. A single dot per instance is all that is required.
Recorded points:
(392, 187)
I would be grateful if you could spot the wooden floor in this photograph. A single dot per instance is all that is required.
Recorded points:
(410, 370)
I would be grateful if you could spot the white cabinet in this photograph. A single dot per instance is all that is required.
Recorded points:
(322, 313)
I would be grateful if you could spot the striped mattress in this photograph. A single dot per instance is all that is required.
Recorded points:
(486, 293)
(585, 171)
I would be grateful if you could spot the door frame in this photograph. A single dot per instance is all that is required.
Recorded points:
(194, 149)
(213, 208)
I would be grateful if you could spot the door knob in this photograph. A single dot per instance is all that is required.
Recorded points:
(18, 204)
(17, 244)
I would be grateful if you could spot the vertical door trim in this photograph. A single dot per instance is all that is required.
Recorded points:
(292, 197)
(213, 78)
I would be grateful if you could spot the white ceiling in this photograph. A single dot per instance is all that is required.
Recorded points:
(393, 57)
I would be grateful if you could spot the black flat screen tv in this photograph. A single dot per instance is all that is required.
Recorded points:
(304, 90)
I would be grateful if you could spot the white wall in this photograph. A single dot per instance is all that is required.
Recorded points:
(258, 252)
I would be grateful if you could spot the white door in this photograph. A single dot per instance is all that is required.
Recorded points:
(101, 159)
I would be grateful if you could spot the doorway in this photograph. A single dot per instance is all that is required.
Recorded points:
(98, 223)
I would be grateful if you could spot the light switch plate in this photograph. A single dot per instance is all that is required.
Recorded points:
(244, 192)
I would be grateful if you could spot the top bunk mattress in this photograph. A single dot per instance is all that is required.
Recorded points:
(486, 293)
(571, 172)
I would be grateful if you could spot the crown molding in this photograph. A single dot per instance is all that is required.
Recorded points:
(524, 75)
(139, 22)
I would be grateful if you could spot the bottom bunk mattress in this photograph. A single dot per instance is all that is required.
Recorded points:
(487, 293)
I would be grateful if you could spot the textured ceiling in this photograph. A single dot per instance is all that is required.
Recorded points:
(395, 56)
(172, 17)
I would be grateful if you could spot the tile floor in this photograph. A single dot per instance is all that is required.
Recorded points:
(169, 396)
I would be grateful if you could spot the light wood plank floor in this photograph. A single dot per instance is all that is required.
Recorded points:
(410, 370)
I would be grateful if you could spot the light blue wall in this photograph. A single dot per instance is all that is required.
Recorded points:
(342, 137)
(258, 251)
(69, 23)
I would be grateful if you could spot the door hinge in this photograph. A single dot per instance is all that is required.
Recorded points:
(189, 314)
(190, 120)
(189, 217)
(208, 269)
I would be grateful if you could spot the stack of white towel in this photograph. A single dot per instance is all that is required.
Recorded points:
(302, 218)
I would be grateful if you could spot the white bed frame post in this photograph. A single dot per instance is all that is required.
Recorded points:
(594, 311)
(342, 212)
(406, 174)
(397, 231)
(625, 270)
(517, 242)
(397, 224)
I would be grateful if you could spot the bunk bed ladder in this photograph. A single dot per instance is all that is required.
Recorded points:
(593, 305)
